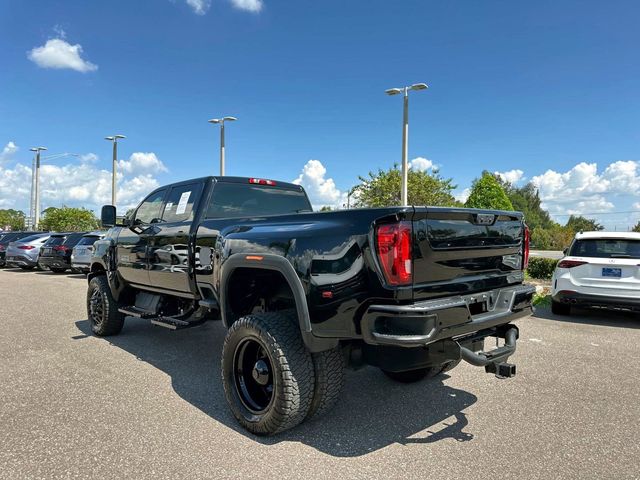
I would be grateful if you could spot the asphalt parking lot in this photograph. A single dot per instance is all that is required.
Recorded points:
(149, 403)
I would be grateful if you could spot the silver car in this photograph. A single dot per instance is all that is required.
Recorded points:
(23, 253)
(81, 254)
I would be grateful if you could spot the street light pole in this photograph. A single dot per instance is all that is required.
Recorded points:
(36, 221)
(114, 139)
(221, 122)
(405, 136)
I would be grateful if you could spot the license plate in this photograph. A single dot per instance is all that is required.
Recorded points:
(612, 272)
(46, 250)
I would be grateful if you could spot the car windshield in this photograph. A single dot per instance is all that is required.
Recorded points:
(606, 248)
(88, 240)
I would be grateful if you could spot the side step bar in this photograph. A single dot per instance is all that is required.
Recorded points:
(171, 323)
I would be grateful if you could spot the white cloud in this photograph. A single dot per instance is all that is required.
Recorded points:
(89, 158)
(249, 5)
(80, 184)
(582, 189)
(420, 164)
(636, 206)
(463, 195)
(200, 7)
(141, 162)
(58, 53)
(511, 176)
(8, 152)
(321, 190)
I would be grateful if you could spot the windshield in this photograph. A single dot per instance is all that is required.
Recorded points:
(241, 200)
(606, 248)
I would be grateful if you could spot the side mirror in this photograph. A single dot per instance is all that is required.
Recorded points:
(108, 216)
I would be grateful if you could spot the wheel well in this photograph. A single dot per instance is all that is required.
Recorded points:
(255, 289)
(96, 269)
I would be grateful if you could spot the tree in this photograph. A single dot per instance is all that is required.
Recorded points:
(578, 223)
(382, 189)
(68, 219)
(637, 227)
(326, 208)
(526, 199)
(12, 218)
(487, 192)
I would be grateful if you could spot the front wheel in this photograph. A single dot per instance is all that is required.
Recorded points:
(267, 373)
(102, 308)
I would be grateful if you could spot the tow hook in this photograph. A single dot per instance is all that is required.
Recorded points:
(493, 361)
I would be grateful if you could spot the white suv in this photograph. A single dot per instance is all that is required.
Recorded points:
(600, 269)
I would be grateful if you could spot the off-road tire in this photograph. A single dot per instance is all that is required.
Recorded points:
(450, 365)
(110, 321)
(560, 308)
(292, 372)
(329, 372)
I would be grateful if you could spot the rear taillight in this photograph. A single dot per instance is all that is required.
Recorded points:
(393, 242)
(2, 247)
(262, 181)
(26, 247)
(60, 248)
(570, 263)
(525, 253)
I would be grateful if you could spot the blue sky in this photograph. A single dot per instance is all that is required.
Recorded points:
(549, 89)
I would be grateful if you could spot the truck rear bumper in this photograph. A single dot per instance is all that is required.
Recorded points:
(423, 323)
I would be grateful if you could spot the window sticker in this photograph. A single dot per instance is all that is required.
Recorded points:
(182, 204)
(168, 206)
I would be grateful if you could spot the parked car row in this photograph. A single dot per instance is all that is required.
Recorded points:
(55, 251)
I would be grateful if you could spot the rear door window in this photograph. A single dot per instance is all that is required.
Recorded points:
(181, 202)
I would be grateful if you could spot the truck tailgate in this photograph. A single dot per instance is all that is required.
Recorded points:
(459, 251)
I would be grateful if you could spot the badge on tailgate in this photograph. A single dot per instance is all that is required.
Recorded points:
(484, 218)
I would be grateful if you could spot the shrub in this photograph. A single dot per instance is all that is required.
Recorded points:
(541, 268)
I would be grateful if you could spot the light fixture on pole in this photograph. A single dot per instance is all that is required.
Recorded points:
(405, 135)
(36, 206)
(114, 139)
(221, 121)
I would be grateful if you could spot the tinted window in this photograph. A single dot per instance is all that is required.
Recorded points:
(32, 238)
(181, 201)
(88, 240)
(73, 239)
(243, 200)
(55, 240)
(149, 210)
(12, 237)
(606, 248)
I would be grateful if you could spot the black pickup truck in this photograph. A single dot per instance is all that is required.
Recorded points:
(411, 290)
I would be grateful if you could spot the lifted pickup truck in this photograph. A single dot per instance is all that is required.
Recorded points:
(411, 290)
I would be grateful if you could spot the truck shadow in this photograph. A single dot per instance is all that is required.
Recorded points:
(592, 316)
(373, 412)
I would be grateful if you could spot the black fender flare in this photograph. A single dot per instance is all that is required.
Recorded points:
(284, 267)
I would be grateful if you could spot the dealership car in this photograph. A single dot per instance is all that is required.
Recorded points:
(600, 269)
(24, 253)
(81, 253)
(5, 239)
(55, 254)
